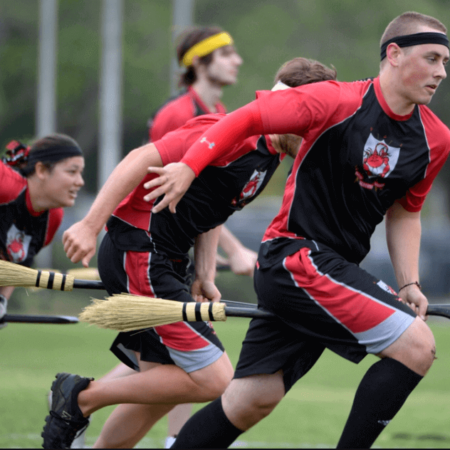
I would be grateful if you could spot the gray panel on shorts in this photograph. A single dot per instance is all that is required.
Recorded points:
(386, 333)
(193, 360)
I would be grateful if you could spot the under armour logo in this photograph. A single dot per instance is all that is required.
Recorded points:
(384, 422)
(210, 144)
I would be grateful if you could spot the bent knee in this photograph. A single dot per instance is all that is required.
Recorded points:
(415, 348)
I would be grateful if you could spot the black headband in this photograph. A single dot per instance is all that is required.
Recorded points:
(415, 39)
(53, 154)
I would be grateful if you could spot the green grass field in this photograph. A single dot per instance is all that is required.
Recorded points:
(311, 416)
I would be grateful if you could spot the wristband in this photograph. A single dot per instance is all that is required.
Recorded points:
(410, 284)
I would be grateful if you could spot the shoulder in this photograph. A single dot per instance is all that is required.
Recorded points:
(11, 182)
(437, 133)
(322, 94)
(172, 115)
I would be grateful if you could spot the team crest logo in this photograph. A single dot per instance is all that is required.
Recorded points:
(252, 186)
(379, 158)
(17, 244)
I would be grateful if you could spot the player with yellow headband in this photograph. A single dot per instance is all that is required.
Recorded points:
(211, 62)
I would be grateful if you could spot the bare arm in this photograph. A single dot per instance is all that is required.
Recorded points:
(81, 238)
(242, 260)
(403, 233)
(203, 288)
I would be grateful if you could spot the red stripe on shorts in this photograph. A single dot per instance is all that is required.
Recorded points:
(137, 270)
(179, 336)
(354, 309)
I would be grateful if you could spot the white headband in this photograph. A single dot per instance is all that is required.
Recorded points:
(279, 86)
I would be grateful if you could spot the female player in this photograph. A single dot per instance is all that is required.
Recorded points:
(47, 179)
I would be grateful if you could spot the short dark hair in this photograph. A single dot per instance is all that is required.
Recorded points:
(187, 40)
(299, 71)
(47, 143)
(409, 23)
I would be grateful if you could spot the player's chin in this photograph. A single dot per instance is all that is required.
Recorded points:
(67, 202)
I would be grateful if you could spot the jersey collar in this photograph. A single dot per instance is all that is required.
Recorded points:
(30, 206)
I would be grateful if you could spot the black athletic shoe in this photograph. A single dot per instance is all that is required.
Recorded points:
(66, 419)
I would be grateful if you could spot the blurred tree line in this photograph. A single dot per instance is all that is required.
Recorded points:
(342, 33)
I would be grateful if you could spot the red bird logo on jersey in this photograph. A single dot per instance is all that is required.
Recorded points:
(17, 244)
(251, 188)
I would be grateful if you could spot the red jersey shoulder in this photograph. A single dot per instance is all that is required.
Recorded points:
(55, 217)
(11, 182)
(312, 108)
(437, 133)
(172, 116)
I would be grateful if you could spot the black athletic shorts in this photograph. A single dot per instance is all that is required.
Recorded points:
(322, 301)
(189, 345)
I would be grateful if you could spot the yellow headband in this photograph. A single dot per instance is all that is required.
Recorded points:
(206, 46)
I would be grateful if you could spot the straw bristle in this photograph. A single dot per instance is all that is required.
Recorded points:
(16, 275)
(128, 312)
(84, 273)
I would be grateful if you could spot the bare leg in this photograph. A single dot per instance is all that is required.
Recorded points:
(415, 348)
(128, 424)
(248, 400)
(177, 418)
(165, 384)
(121, 370)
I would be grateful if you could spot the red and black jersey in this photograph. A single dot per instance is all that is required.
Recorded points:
(23, 231)
(177, 111)
(357, 158)
(225, 186)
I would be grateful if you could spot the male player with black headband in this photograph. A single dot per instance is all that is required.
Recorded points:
(371, 149)
(48, 178)
(147, 255)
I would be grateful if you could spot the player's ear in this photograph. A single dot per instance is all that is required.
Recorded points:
(41, 170)
(393, 53)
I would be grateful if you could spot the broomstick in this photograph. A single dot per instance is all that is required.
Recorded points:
(126, 312)
(16, 275)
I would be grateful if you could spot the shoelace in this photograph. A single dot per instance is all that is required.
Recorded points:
(69, 421)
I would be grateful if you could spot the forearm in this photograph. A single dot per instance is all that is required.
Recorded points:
(403, 234)
(228, 242)
(232, 129)
(125, 177)
(205, 251)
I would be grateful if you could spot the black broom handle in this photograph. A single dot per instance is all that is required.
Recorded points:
(243, 309)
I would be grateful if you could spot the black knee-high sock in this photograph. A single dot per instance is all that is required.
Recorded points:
(380, 395)
(208, 428)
